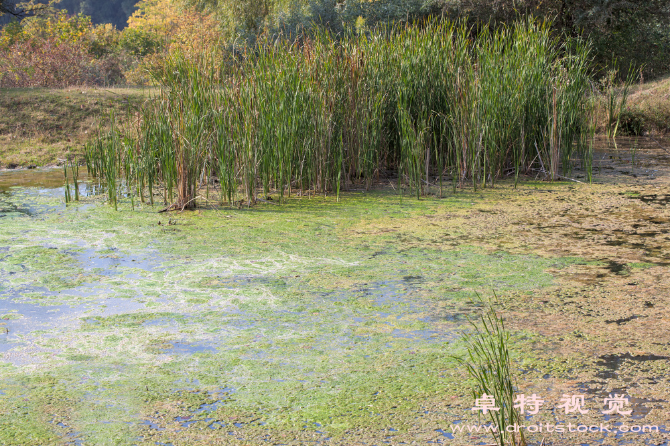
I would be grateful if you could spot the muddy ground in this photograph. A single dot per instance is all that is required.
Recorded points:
(325, 322)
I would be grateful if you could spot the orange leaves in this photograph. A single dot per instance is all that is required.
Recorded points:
(179, 29)
(49, 64)
(54, 49)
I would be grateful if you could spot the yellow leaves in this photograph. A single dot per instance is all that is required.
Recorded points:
(54, 25)
(157, 16)
(181, 28)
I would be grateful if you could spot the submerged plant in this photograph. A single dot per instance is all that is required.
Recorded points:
(68, 196)
(488, 363)
(74, 170)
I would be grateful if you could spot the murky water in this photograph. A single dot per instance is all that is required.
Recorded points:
(45, 323)
(36, 186)
(156, 336)
(642, 157)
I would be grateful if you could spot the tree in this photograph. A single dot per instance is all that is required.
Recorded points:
(631, 32)
(23, 10)
(7, 7)
(115, 12)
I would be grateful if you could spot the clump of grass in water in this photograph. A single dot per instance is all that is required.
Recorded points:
(68, 196)
(74, 169)
(488, 363)
(323, 113)
(103, 159)
(616, 100)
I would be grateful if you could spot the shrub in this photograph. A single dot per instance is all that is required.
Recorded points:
(46, 63)
(139, 42)
(57, 50)
(632, 122)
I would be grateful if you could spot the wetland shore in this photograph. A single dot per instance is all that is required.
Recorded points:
(325, 322)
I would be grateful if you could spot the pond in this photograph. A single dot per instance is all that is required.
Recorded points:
(325, 322)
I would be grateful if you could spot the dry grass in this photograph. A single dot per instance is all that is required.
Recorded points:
(648, 108)
(40, 126)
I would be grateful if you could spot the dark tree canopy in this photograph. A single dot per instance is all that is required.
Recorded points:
(633, 32)
(8, 7)
(115, 12)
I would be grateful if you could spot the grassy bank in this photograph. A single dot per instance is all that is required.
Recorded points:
(648, 108)
(40, 126)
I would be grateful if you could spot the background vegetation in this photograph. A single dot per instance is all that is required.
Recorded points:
(114, 37)
(72, 44)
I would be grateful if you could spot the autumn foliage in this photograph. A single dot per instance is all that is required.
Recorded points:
(160, 28)
(57, 50)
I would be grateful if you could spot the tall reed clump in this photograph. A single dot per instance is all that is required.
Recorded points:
(74, 169)
(320, 114)
(616, 100)
(488, 363)
(103, 160)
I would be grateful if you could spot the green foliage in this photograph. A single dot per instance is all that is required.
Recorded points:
(634, 32)
(325, 114)
(139, 42)
(489, 364)
(632, 122)
(103, 40)
(11, 33)
(241, 18)
(385, 12)
(56, 24)
(245, 20)
(616, 100)
(74, 170)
